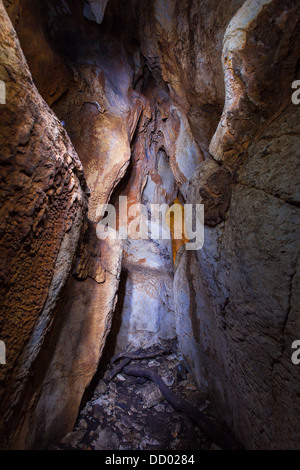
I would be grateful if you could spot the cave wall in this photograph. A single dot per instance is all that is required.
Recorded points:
(242, 286)
(97, 97)
(160, 99)
(95, 111)
(43, 205)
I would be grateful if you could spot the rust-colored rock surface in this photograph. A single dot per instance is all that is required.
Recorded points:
(90, 110)
(42, 209)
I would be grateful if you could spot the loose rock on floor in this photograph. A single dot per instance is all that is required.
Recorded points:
(130, 413)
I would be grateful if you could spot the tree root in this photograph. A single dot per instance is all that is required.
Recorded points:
(117, 370)
(137, 355)
(212, 430)
(127, 357)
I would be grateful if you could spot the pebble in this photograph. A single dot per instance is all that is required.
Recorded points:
(151, 395)
(153, 363)
(160, 408)
(113, 386)
(100, 401)
(126, 421)
(82, 424)
(169, 381)
(101, 388)
(73, 438)
(172, 357)
(120, 378)
(169, 409)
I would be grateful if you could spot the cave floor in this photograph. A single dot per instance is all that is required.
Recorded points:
(129, 413)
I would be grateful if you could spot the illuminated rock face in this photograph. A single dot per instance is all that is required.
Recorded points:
(43, 204)
(243, 284)
(160, 99)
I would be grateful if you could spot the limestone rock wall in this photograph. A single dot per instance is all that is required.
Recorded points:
(43, 203)
(105, 118)
(95, 112)
(241, 288)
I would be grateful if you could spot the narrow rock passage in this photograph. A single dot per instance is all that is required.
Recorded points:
(130, 413)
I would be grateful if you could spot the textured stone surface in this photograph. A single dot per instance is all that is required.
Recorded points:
(96, 10)
(147, 314)
(42, 209)
(183, 42)
(78, 342)
(211, 186)
(49, 71)
(251, 53)
(244, 281)
(99, 122)
(146, 311)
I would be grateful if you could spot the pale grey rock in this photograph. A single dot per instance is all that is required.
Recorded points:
(153, 363)
(242, 289)
(96, 10)
(82, 424)
(160, 408)
(169, 380)
(120, 378)
(148, 312)
(148, 441)
(151, 395)
(273, 164)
